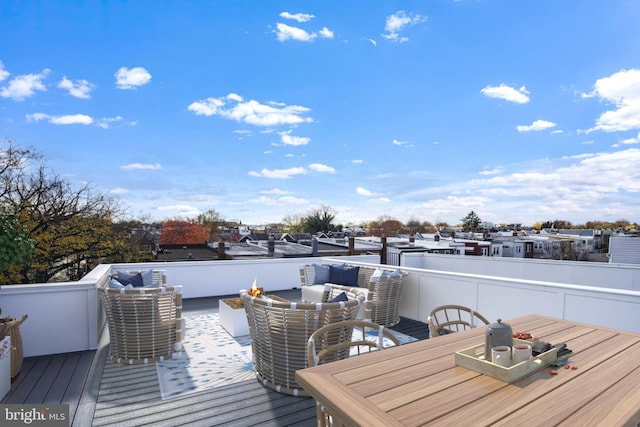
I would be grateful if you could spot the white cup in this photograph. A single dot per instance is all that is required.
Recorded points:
(501, 355)
(521, 352)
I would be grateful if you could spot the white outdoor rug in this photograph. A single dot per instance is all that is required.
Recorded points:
(211, 358)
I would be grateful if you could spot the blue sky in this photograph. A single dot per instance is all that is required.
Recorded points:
(519, 111)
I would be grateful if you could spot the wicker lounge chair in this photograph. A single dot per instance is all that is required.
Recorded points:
(383, 299)
(279, 332)
(145, 324)
(447, 319)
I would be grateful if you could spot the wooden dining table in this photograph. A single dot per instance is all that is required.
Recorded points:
(420, 384)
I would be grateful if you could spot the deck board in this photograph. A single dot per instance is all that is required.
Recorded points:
(102, 393)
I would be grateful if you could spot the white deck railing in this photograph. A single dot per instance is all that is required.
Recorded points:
(66, 317)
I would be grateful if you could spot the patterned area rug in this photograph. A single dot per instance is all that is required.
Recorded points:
(211, 358)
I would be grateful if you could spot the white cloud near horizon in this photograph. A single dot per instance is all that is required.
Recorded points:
(274, 191)
(398, 22)
(25, 85)
(279, 201)
(300, 17)
(141, 166)
(69, 119)
(550, 189)
(278, 173)
(537, 125)
(78, 89)
(233, 107)
(622, 89)
(131, 78)
(508, 93)
(119, 190)
(180, 210)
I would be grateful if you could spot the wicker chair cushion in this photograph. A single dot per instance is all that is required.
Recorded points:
(115, 284)
(134, 280)
(344, 276)
(322, 274)
(341, 297)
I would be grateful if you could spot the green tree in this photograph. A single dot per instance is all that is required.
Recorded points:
(471, 222)
(319, 220)
(16, 247)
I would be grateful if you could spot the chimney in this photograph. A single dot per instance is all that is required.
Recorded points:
(271, 245)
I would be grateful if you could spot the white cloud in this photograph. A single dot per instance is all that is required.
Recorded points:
(628, 141)
(279, 201)
(508, 93)
(300, 17)
(180, 210)
(357, 161)
(373, 42)
(286, 32)
(275, 191)
(495, 171)
(3, 72)
(536, 126)
(70, 119)
(379, 200)
(401, 143)
(397, 23)
(251, 112)
(319, 167)
(77, 89)
(119, 191)
(141, 166)
(364, 192)
(326, 33)
(106, 122)
(623, 90)
(131, 78)
(24, 86)
(279, 173)
(288, 139)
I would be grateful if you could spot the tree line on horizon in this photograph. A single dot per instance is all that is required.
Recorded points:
(51, 230)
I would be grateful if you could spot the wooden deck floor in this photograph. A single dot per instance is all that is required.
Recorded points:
(101, 393)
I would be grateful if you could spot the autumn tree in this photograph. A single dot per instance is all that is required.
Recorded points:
(211, 221)
(293, 223)
(385, 226)
(414, 226)
(69, 224)
(183, 232)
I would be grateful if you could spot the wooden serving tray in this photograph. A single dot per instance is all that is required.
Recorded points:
(473, 358)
